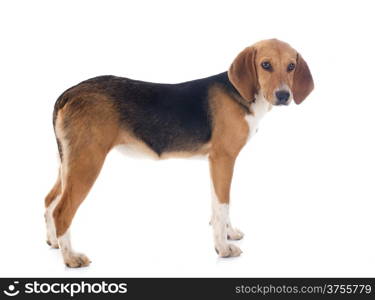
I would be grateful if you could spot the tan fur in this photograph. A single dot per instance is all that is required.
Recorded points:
(243, 74)
(230, 132)
(303, 82)
(90, 135)
(279, 54)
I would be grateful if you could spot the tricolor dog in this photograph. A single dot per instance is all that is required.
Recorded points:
(213, 116)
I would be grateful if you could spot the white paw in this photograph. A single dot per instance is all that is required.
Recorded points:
(76, 260)
(51, 239)
(228, 250)
(234, 234)
(53, 243)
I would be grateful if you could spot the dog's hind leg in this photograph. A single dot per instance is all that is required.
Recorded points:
(51, 201)
(78, 176)
(86, 129)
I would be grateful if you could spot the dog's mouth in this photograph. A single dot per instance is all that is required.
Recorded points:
(277, 103)
(281, 97)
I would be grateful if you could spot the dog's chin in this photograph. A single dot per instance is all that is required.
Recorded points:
(274, 102)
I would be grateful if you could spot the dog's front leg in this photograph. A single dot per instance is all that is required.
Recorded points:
(221, 167)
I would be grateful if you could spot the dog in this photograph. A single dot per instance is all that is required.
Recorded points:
(214, 116)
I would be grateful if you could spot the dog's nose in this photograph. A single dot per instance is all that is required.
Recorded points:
(282, 97)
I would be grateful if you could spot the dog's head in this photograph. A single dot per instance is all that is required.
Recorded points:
(273, 69)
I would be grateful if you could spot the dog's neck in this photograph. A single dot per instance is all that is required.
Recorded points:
(250, 107)
(258, 109)
(245, 104)
(260, 106)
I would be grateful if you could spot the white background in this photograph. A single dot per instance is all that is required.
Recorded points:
(303, 190)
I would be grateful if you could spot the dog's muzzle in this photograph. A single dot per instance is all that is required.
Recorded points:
(282, 97)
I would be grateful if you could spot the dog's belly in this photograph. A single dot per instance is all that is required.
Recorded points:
(139, 150)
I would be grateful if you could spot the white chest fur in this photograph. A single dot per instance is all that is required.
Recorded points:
(258, 108)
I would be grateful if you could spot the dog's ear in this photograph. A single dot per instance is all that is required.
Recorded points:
(242, 74)
(303, 82)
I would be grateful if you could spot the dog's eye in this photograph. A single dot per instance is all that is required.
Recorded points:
(266, 65)
(291, 67)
